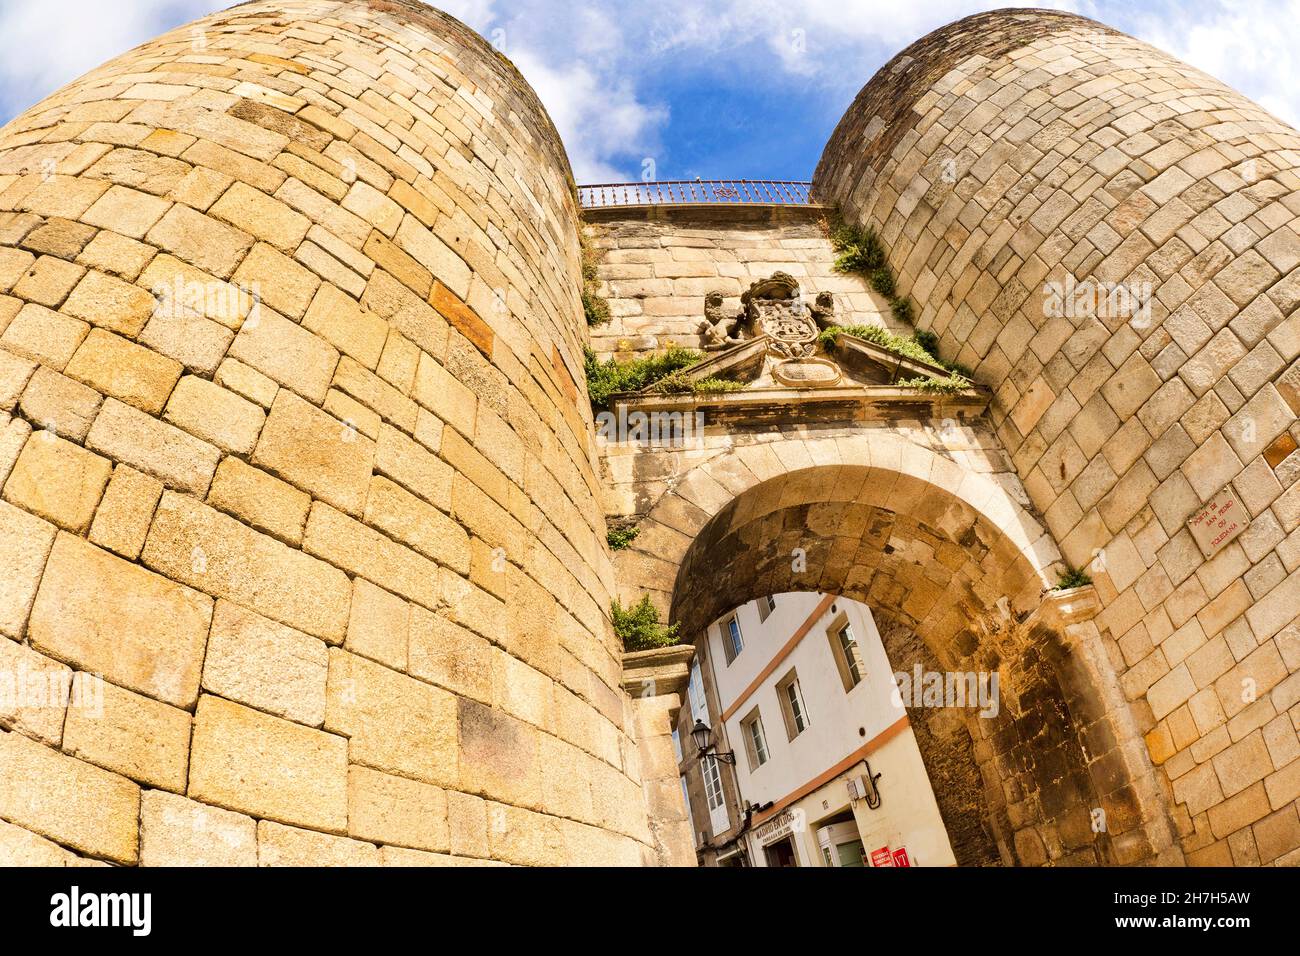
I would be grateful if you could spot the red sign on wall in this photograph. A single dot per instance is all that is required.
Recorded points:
(900, 857)
(881, 857)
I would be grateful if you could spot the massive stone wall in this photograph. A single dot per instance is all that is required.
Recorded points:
(293, 454)
(1020, 148)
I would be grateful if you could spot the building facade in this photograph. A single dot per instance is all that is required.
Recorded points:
(827, 772)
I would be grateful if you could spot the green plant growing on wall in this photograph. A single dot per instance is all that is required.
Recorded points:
(678, 384)
(860, 251)
(621, 537)
(951, 385)
(639, 627)
(594, 305)
(604, 378)
(1072, 578)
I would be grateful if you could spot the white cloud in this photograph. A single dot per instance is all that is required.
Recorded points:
(1249, 45)
(48, 43)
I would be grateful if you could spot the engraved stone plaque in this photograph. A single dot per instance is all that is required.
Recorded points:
(1218, 522)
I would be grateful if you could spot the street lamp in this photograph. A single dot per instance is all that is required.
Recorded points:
(701, 733)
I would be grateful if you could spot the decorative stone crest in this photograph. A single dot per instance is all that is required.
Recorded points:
(776, 308)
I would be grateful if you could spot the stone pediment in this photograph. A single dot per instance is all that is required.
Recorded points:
(773, 340)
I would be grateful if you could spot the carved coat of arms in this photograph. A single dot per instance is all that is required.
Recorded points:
(774, 307)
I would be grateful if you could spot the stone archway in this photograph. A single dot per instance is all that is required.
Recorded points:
(956, 571)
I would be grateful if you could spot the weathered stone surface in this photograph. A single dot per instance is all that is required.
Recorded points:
(206, 549)
(24, 545)
(279, 845)
(215, 415)
(125, 512)
(396, 723)
(19, 847)
(245, 760)
(58, 481)
(316, 452)
(379, 625)
(359, 550)
(288, 353)
(33, 692)
(67, 800)
(135, 736)
(401, 515)
(126, 371)
(260, 499)
(110, 304)
(396, 810)
(108, 616)
(450, 656)
(59, 404)
(255, 661)
(175, 831)
(156, 448)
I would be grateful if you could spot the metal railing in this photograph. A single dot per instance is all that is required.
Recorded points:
(676, 192)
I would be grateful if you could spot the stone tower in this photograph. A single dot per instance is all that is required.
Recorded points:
(1017, 155)
(294, 456)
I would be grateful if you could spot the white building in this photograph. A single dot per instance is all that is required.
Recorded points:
(827, 771)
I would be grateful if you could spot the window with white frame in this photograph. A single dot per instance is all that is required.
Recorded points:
(712, 782)
(755, 742)
(699, 708)
(848, 658)
(766, 605)
(732, 642)
(792, 705)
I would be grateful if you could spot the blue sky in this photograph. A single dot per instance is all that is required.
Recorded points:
(686, 88)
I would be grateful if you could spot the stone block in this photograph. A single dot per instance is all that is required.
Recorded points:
(396, 810)
(260, 499)
(256, 661)
(125, 512)
(135, 736)
(44, 336)
(398, 513)
(175, 831)
(449, 655)
(178, 459)
(108, 616)
(279, 845)
(251, 762)
(286, 352)
(362, 551)
(192, 543)
(58, 404)
(33, 692)
(395, 723)
(378, 626)
(68, 800)
(25, 542)
(58, 481)
(316, 452)
(111, 304)
(210, 412)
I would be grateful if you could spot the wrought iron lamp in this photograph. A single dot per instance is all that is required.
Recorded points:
(702, 736)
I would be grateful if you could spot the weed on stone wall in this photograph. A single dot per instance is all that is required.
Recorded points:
(640, 628)
(611, 376)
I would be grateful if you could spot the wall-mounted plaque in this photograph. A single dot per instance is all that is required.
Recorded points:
(1220, 520)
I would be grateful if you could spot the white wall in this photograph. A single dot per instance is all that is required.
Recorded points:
(838, 723)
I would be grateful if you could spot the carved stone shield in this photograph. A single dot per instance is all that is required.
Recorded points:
(776, 308)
